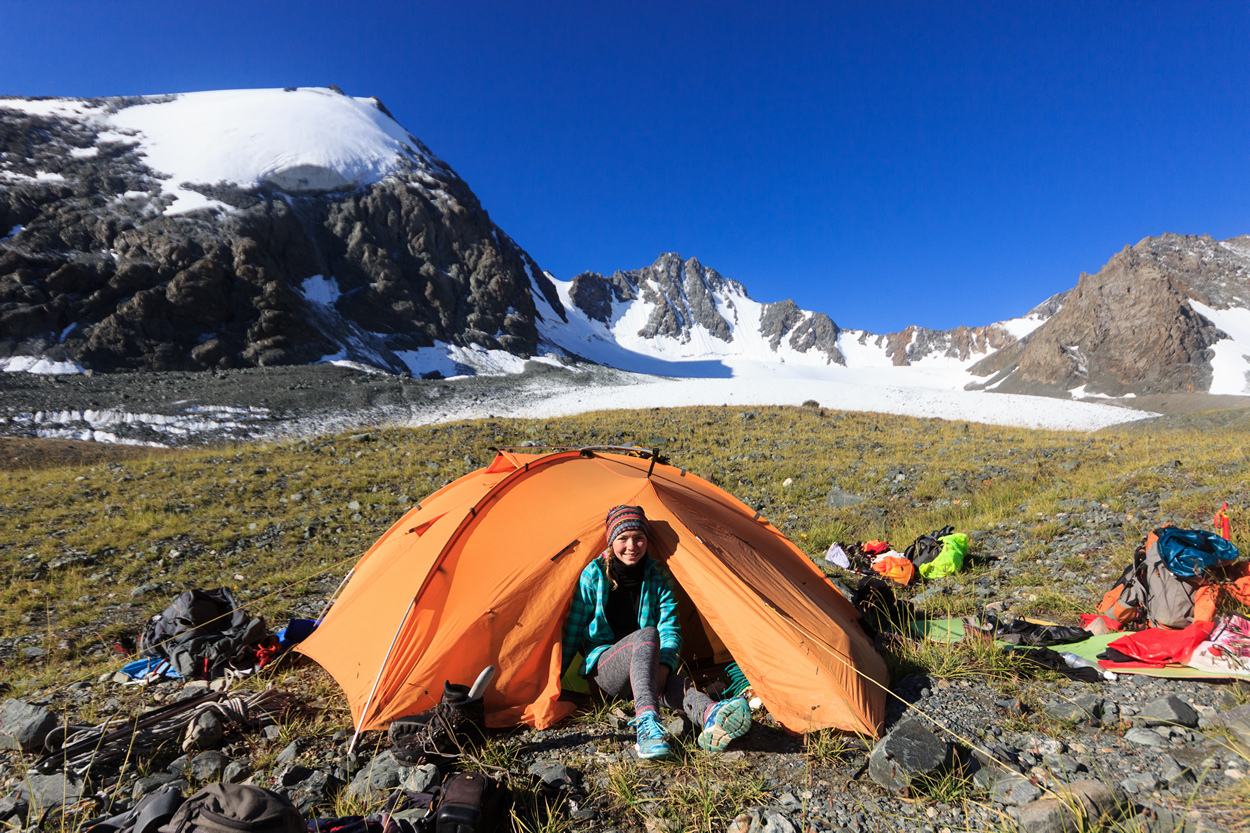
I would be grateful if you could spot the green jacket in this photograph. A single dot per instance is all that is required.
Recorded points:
(586, 629)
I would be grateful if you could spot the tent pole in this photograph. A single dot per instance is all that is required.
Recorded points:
(329, 601)
(365, 711)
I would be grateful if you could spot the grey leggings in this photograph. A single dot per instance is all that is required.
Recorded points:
(634, 661)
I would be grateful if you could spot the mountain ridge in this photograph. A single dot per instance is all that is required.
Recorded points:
(141, 238)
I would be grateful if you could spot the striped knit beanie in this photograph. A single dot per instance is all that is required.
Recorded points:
(625, 519)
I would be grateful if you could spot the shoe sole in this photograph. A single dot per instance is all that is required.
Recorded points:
(653, 754)
(733, 721)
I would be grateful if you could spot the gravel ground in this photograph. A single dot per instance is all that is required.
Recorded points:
(179, 409)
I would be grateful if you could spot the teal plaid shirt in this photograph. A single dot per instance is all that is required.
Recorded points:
(586, 629)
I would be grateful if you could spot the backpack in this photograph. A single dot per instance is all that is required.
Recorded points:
(201, 632)
(1150, 593)
(235, 808)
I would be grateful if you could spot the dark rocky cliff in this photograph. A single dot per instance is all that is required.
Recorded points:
(93, 271)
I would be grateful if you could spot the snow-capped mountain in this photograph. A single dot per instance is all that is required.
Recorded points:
(679, 317)
(245, 228)
(285, 227)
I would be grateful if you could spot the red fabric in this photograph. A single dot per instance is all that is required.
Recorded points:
(874, 547)
(1112, 624)
(1159, 645)
(1221, 523)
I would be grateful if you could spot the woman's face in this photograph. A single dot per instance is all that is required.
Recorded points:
(630, 547)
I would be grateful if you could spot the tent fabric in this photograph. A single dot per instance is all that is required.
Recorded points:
(483, 571)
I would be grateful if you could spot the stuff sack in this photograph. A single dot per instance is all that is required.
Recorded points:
(235, 808)
(1190, 552)
(1148, 593)
(950, 559)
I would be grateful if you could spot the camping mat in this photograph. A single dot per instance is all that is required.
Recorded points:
(952, 630)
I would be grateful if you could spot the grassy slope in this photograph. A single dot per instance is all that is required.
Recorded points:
(269, 519)
(283, 523)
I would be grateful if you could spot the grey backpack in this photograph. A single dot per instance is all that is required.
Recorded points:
(235, 808)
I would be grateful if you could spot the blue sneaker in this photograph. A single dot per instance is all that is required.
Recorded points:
(725, 721)
(651, 737)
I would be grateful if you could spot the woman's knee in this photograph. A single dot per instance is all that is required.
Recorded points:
(647, 634)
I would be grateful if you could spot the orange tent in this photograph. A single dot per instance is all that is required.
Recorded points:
(483, 572)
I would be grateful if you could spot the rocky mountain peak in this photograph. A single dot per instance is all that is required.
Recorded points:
(1130, 328)
(108, 262)
(685, 301)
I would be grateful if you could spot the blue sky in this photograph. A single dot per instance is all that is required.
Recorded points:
(886, 163)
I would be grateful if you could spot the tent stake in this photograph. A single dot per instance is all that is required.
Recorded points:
(365, 711)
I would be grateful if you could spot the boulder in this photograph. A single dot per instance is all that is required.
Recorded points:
(208, 766)
(911, 750)
(375, 779)
(24, 726)
(1084, 805)
(841, 498)
(1013, 789)
(42, 791)
(1168, 711)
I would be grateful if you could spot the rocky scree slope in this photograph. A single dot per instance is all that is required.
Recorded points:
(95, 269)
(1131, 328)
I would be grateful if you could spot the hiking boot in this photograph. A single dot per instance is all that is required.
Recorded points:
(651, 737)
(725, 721)
(455, 724)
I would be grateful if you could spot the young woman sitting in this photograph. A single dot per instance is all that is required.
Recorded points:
(624, 622)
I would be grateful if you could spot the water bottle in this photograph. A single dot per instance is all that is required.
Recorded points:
(1073, 661)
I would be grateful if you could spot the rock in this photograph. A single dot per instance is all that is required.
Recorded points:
(1167, 711)
(151, 783)
(1163, 351)
(14, 808)
(1014, 790)
(307, 788)
(1146, 737)
(748, 821)
(290, 753)
(235, 772)
(1237, 721)
(840, 499)
(208, 766)
(1139, 782)
(555, 774)
(678, 726)
(1174, 773)
(23, 726)
(1084, 708)
(1044, 816)
(1084, 805)
(1102, 803)
(909, 751)
(205, 732)
(42, 791)
(418, 779)
(775, 822)
(378, 777)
